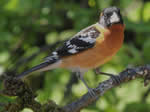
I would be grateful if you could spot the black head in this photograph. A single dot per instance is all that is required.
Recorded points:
(110, 16)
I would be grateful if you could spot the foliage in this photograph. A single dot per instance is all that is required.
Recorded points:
(28, 27)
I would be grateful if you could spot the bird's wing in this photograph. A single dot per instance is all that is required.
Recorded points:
(82, 41)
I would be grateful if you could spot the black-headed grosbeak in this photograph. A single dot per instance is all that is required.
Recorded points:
(88, 49)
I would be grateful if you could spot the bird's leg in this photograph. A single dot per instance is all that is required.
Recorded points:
(90, 90)
(114, 77)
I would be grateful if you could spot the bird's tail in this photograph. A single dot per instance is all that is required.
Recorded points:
(41, 67)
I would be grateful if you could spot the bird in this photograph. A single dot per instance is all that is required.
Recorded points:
(89, 49)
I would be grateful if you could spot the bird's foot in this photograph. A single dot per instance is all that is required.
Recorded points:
(116, 79)
(91, 92)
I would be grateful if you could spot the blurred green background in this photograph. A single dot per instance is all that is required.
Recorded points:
(32, 29)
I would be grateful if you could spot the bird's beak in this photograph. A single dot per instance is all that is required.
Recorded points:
(114, 18)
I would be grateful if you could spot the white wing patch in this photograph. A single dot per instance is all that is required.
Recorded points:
(54, 53)
(54, 56)
(88, 36)
(73, 51)
(88, 39)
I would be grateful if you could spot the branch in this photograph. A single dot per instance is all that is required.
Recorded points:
(26, 97)
(125, 76)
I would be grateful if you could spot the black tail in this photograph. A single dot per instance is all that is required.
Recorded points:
(38, 67)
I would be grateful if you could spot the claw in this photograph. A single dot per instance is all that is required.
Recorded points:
(91, 92)
(116, 79)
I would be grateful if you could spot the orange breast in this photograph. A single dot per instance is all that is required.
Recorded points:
(102, 52)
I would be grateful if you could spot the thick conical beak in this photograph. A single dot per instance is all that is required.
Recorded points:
(114, 18)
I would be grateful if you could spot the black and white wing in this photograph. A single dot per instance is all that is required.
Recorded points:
(80, 42)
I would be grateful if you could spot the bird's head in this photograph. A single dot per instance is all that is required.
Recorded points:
(110, 16)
